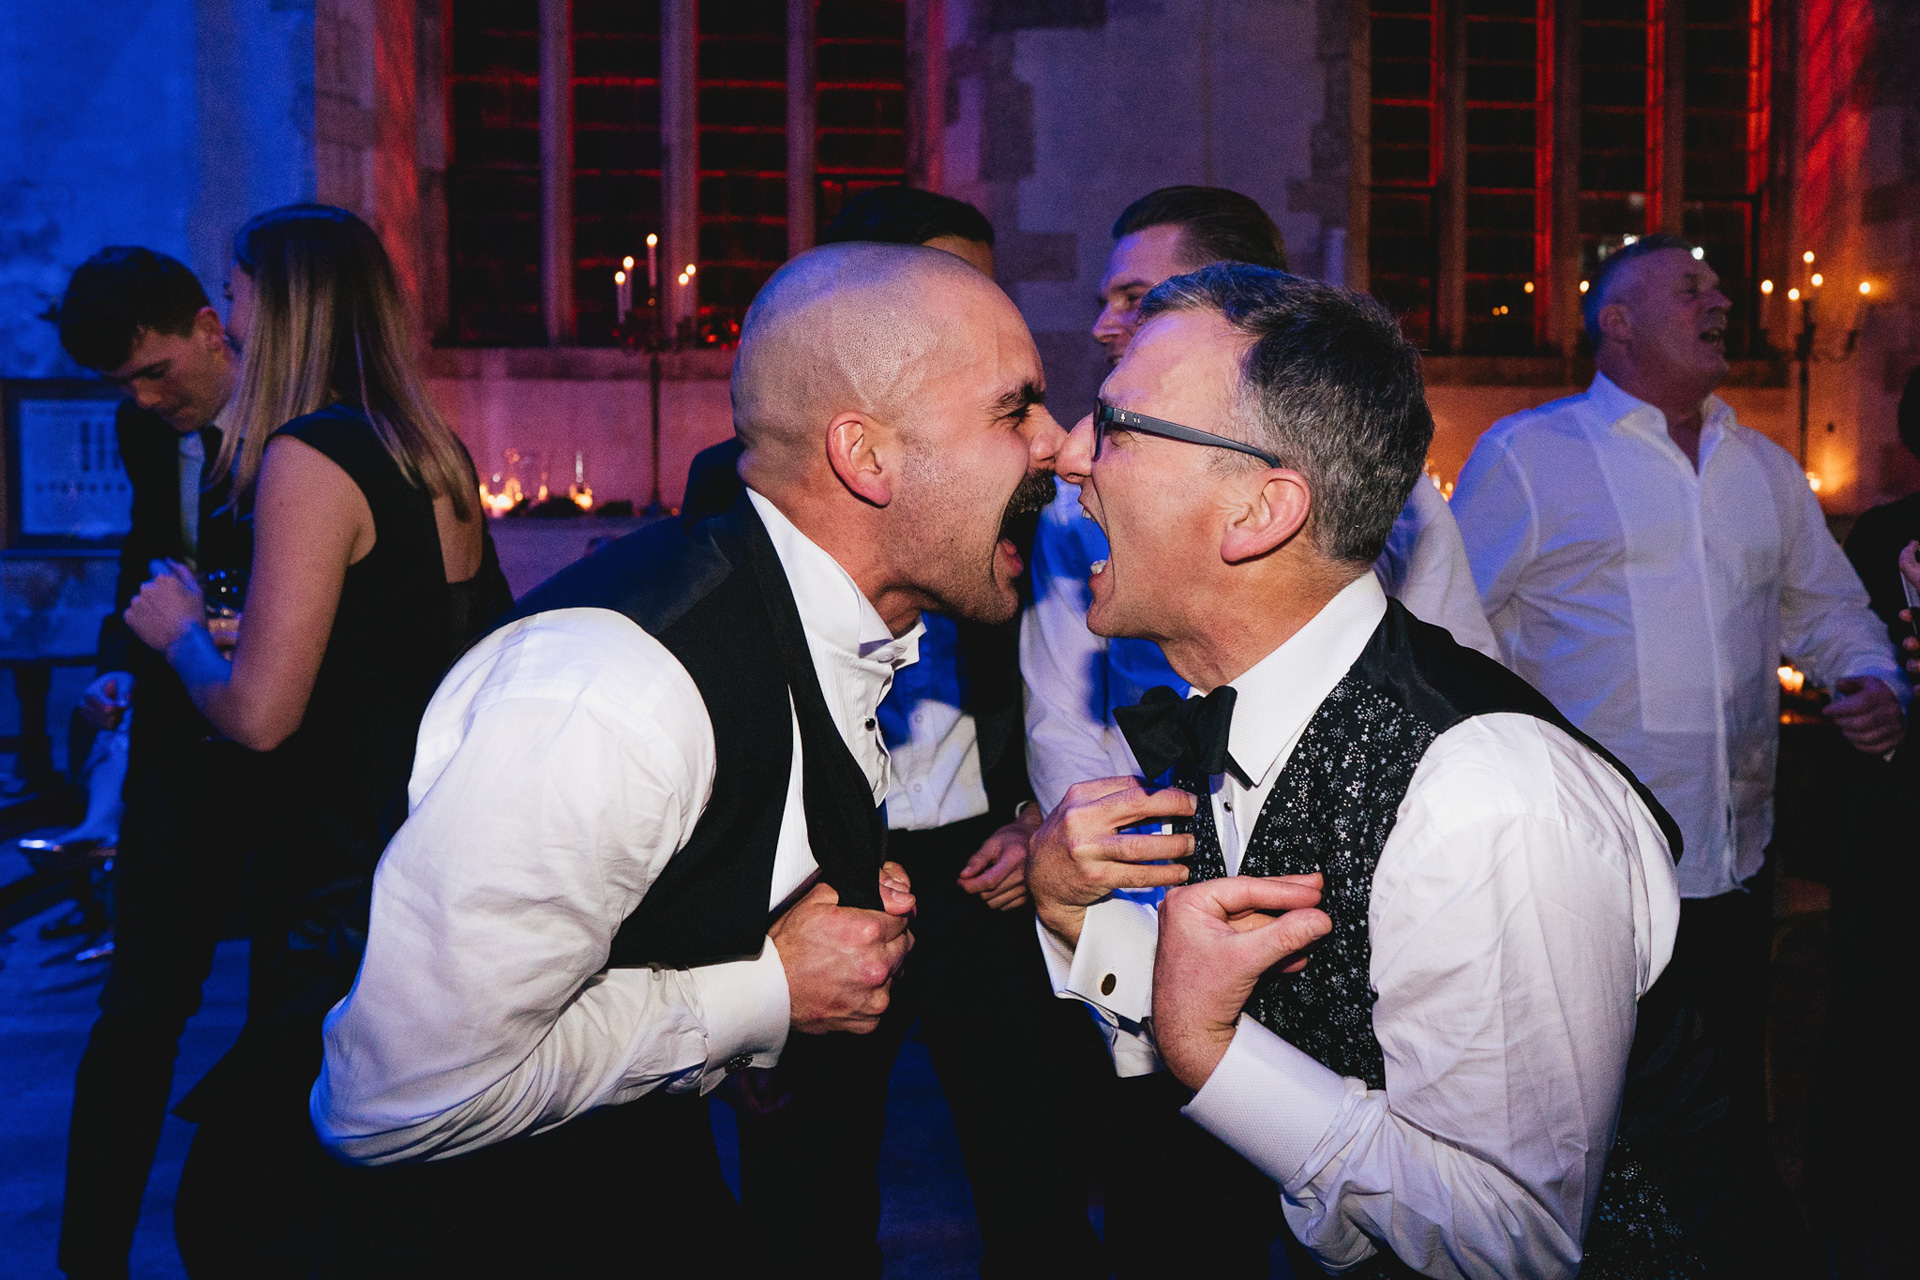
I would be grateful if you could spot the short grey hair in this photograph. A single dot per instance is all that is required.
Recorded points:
(1330, 386)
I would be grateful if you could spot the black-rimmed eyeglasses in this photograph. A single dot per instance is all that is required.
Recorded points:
(1107, 418)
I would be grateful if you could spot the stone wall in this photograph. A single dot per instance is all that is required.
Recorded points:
(159, 122)
(1059, 113)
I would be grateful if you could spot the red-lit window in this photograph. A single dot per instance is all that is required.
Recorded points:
(1509, 150)
(616, 153)
(1727, 122)
(1405, 155)
(494, 162)
(493, 172)
(741, 83)
(861, 103)
(1618, 49)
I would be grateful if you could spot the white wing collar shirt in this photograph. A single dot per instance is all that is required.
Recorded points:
(1523, 903)
(1652, 602)
(1075, 679)
(561, 764)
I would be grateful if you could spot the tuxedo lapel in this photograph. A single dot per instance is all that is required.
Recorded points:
(844, 827)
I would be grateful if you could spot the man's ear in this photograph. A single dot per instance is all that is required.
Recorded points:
(852, 451)
(207, 326)
(1615, 323)
(1275, 513)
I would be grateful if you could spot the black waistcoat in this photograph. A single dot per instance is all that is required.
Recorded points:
(1331, 811)
(715, 596)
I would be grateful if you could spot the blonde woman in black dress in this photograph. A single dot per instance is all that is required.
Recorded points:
(372, 568)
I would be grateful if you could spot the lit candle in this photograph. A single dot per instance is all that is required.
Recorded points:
(622, 296)
(1766, 304)
(653, 261)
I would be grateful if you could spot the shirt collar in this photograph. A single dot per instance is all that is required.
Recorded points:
(833, 609)
(1276, 697)
(1614, 406)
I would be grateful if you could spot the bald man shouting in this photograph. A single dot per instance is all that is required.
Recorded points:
(643, 848)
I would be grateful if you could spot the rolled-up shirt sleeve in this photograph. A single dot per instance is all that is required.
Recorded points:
(559, 768)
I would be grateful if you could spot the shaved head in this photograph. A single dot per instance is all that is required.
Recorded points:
(890, 401)
(855, 327)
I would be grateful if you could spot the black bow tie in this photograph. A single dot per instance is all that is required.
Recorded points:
(1166, 731)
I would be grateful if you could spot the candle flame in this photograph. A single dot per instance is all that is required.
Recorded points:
(1791, 680)
(1818, 280)
(652, 239)
(1583, 286)
(1793, 295)
(691, 269)
(1866, 287)
(683, 277)
(1766, 287)
(619, 277)
(1813, 481)
(627, 262)
(1807, 257)
(1527, 287)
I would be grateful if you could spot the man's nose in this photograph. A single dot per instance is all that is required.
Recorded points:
(146, 395)
(1045, 439)
(1074, 463)
(1110, 324)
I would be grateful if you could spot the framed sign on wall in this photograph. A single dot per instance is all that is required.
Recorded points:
(65, 486)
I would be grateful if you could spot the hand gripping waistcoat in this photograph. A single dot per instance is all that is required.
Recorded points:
(1331, 811)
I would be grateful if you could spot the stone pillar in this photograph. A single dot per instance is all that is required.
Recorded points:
(679, 152)
(801, 139)
(1360, 149)
(1668, 114)
(1450, 302)
(926, 92)
(556, 170)
(1562, 304)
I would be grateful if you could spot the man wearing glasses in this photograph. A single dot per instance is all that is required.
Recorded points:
(1414, 920)
(1076, 678)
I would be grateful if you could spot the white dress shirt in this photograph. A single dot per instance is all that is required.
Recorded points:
(1075, 679)
(935, 745)
(1523, 903)
(1652, 602)
(561, 764)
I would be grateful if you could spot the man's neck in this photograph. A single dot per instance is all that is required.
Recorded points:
(858, 549)
(1682, 405)
(1248, 623)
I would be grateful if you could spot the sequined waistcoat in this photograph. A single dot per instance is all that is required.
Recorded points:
(1331, 811)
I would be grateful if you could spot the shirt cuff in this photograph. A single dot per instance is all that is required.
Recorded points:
(1112, 966)
(1270, 1102)
(746, 1011)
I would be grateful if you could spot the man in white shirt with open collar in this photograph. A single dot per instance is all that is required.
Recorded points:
(1646, 562)
(1428, 1049)
(525, 1051)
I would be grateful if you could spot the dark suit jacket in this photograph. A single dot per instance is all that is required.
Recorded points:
(989, 655)
(150, 452)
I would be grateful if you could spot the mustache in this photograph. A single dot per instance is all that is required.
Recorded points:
(1030, 497)
(1022, 518)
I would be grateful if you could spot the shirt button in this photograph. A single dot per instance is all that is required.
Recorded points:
(1107, 985)
(739, 1062)
(869, 724)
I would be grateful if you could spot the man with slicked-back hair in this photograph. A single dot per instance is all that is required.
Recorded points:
(643, 848)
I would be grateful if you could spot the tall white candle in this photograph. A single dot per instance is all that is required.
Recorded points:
(653, 262)
(622, 296)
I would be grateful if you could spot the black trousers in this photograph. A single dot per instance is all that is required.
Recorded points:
(1180, 1202)
(1021, 1070)
(179, 875)
(633, 1190)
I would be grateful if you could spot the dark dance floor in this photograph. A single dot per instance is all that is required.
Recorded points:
(47, 1005)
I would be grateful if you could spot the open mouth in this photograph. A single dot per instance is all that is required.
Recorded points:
(1022, 517)
(1715, 335)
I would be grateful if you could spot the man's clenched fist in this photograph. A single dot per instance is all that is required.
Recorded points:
(1216, 939)
(840, 961)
